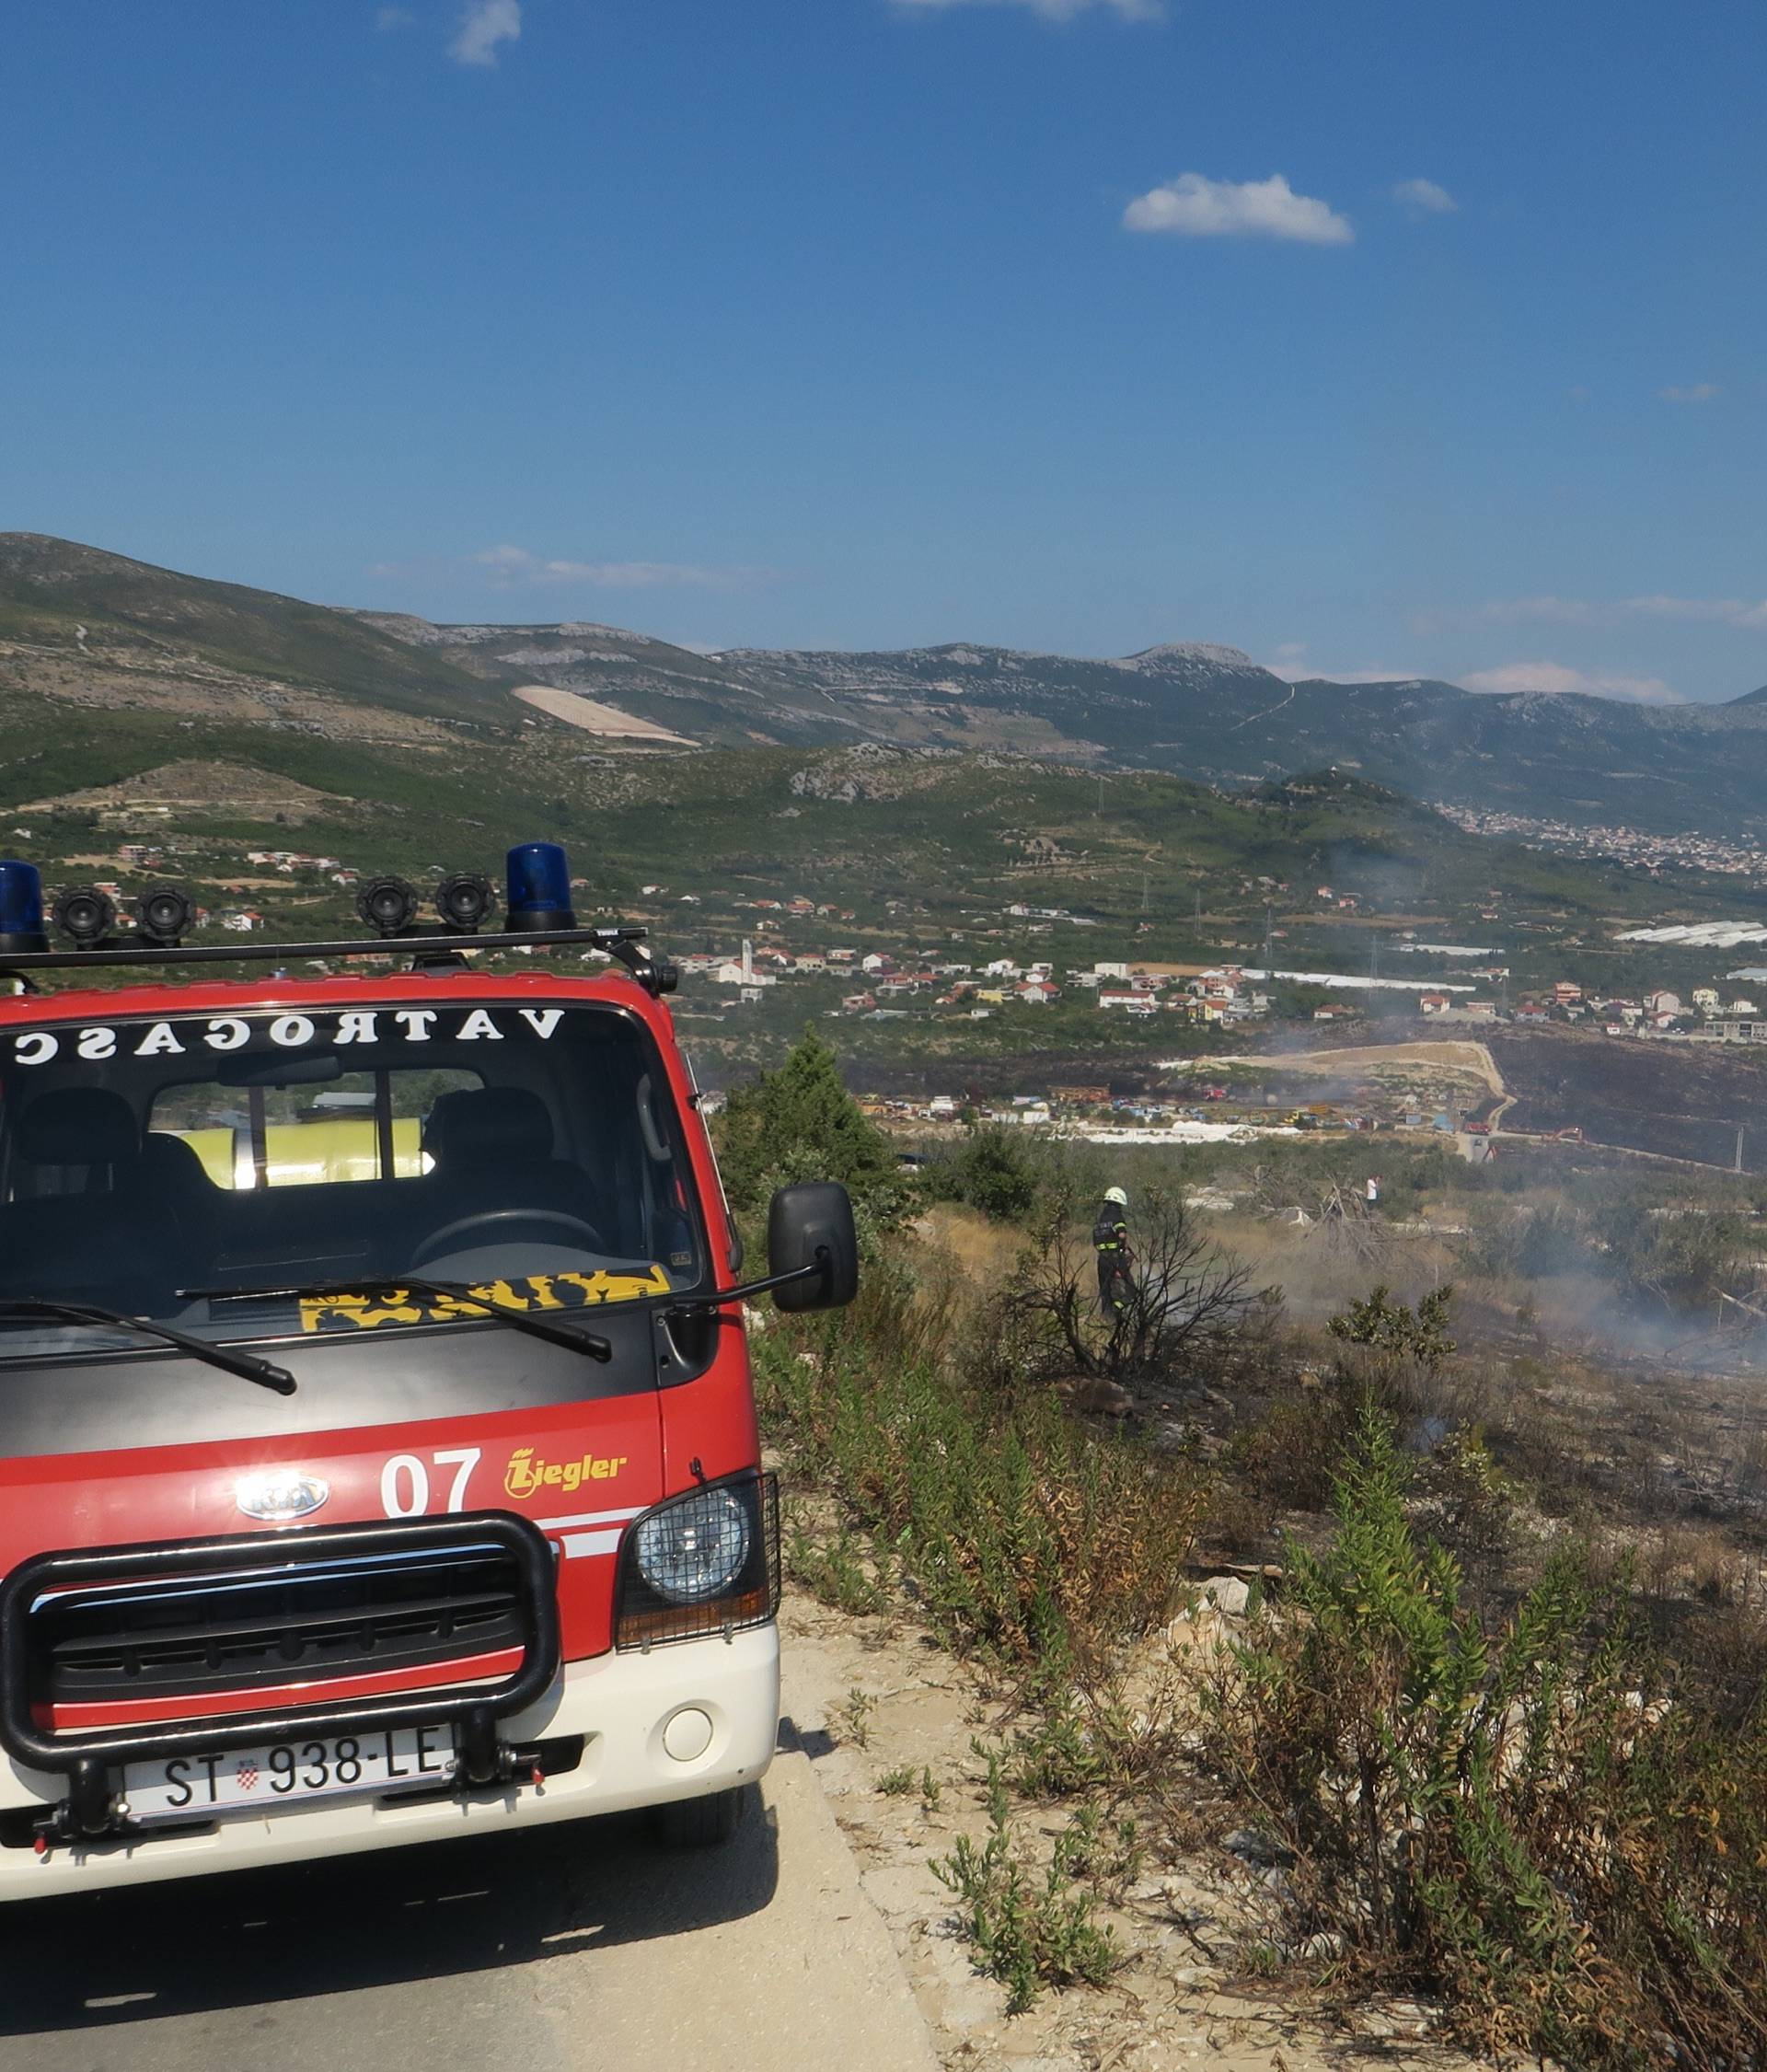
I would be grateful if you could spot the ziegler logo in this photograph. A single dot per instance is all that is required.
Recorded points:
(279, 1494)
(526, 1477)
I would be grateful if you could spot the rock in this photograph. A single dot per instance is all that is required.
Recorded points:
(1230, 1594)
(1261, 1849)
(1093, 1396)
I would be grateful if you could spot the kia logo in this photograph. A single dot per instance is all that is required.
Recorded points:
(278, 1494)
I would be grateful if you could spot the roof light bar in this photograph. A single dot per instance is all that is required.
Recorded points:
(622, 943)
(539, 905)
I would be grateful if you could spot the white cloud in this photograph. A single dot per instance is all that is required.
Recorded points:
(484, 24)
(1700, 393)
(1423, 197)
(1291, 665)
(1193, 206)
(1721, 611)
(513, 567)
(1555, 679)
(1546, 611)
(1051, 10)
(388, 18)
(1585, 611)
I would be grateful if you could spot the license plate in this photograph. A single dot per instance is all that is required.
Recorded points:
(288, 1773)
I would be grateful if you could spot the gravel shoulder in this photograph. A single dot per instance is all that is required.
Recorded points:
(867, 1699)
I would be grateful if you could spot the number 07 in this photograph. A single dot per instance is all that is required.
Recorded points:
(405, 1481)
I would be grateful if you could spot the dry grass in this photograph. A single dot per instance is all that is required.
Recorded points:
(984, 1251)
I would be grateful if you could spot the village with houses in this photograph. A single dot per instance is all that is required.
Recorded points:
(1051, 1017)
(908, 981)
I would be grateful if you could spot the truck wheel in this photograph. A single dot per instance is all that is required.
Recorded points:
(699, 1823)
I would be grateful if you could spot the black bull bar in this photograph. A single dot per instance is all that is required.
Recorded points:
(85, 1757)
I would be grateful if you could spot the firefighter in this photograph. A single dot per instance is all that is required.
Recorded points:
(1111, 1243)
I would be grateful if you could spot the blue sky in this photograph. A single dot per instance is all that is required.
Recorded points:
(1065, 324)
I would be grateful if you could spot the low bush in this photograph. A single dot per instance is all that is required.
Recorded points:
(1185, 1306)
(1022, 1533)
(1520, 1816)
(1030, 1927)
(997, 1171)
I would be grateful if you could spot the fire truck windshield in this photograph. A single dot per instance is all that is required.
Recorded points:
(532, 1152)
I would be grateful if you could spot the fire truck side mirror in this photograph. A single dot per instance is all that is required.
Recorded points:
(813, 1225)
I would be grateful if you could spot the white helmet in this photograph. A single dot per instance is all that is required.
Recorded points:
(1117, 1198)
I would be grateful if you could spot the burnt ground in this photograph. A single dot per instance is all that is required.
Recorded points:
(1679, 1100)
(1033, 1071)
(1673, 1099)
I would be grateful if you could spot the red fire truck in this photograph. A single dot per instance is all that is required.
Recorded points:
(378, 1457)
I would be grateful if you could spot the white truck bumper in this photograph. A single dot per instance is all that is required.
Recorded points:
(621, 1704)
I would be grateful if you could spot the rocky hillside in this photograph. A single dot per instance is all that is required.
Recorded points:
(91, 628)
(101, 630)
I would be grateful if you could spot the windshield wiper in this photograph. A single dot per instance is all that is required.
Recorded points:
(588, 1342)
(692, 1303)
(246, 1365)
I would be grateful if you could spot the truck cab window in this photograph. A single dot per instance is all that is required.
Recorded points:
(465, 1144)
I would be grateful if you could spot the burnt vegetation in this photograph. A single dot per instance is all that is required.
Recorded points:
(1492, 1704)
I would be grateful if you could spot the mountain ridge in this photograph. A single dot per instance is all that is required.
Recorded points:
(90, 627)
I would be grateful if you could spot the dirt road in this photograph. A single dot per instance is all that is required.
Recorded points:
(1451, 1054)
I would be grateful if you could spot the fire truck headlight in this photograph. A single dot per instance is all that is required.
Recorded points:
(696, 1548)
(700, 1564)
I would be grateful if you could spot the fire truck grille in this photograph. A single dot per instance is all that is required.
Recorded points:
(236, 1630)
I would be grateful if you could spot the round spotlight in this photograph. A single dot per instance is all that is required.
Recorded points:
(387, 905)
(165, 914)
(463, 901)
(86, 915)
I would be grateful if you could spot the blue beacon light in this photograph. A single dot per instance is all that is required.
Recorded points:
(540, 888)
(21, 908)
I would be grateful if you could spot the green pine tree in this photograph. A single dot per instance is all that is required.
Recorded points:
(800, 1123)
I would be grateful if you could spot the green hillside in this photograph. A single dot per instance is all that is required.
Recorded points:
(107, 614)
(201, 719)
(98, 630)
(915, 846)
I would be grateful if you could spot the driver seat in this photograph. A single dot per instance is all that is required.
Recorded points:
(81, 1230)
(491, 1148)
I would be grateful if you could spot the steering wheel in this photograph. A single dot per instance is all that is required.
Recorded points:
(489, 1224)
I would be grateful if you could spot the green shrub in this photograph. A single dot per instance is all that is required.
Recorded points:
(800, 1123)
(1029, 1929)
(833, 1567)
(1057, 1755)
(1513, 1817)
(995, 1170)
(1388, 1326)
(1020, 1533)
